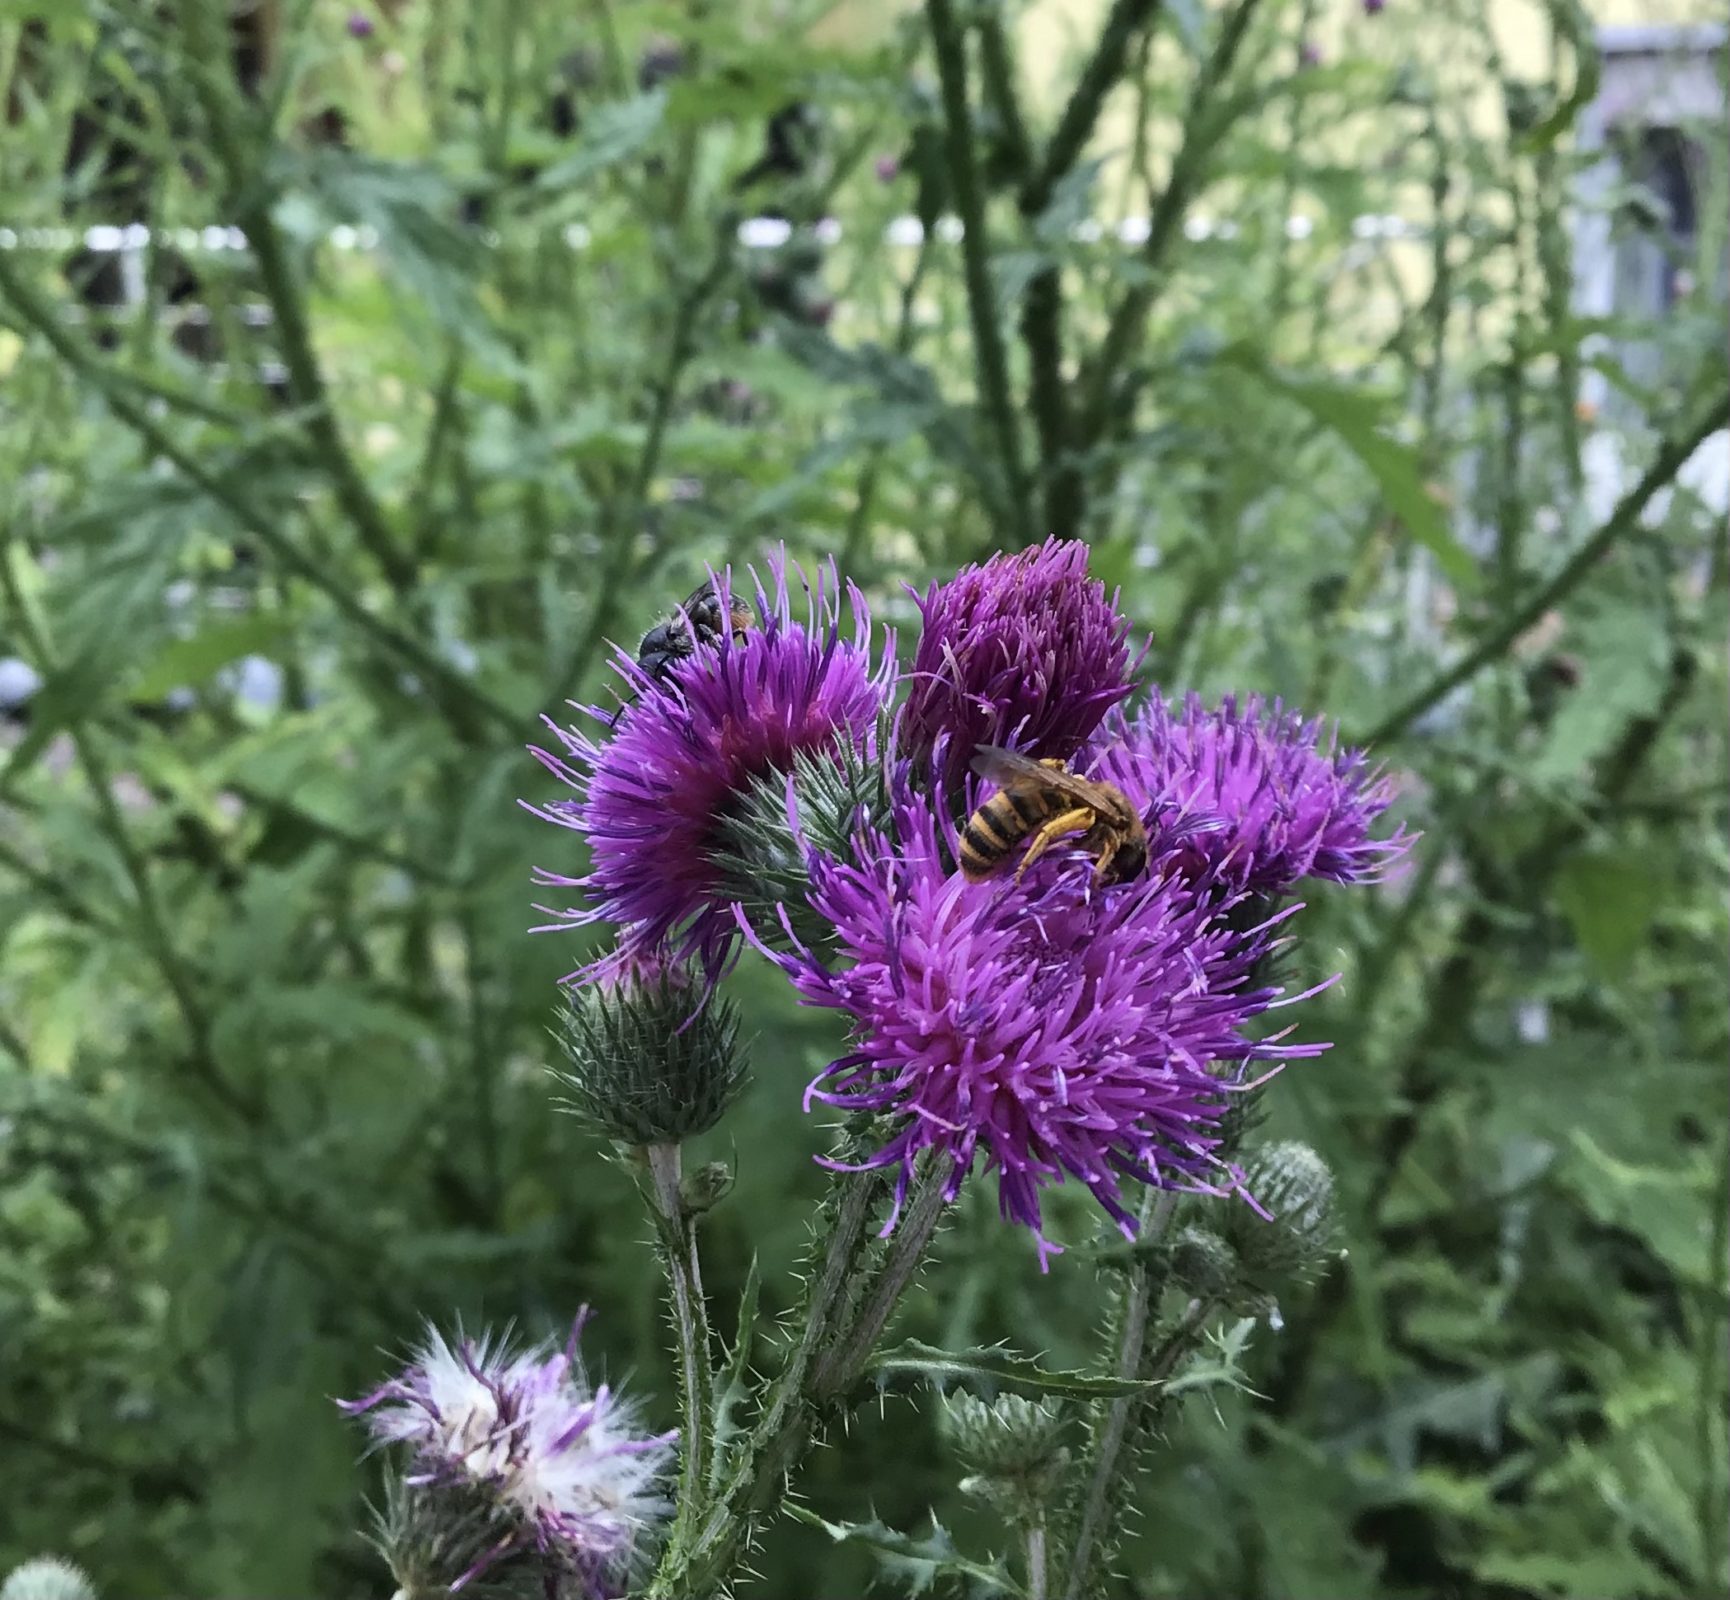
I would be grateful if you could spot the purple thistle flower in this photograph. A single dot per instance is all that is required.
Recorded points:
(1256, 797)
(887, 168)
(1065, 1030)
(1309, 54)
(1374, 8)
(653, 795)
(359, 25)
(565, 1462)
(1023, 650)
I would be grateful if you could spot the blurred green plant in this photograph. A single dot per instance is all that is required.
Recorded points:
(304, 535)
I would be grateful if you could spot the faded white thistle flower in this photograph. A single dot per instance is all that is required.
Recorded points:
(47, 1578)
(564, 1464)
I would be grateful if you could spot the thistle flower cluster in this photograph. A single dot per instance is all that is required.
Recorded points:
(800, 793)
(514, 1459)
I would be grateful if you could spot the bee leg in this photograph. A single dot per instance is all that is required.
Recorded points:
(1065, 825)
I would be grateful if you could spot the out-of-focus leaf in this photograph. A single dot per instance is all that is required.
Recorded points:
(903, 383)
(1360, 422)
(413, 210)
(1623, 648)
(1609, 901)
(611, 134)
(193, 661)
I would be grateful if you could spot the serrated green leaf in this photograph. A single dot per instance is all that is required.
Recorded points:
(1610, 901)
(918, 1562)
(611, 134)
(993, 1371)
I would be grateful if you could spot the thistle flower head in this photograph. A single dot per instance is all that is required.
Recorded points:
(654, 793)
(1022, 650)
(1260, 797)
(1061, 1029)
(562, 1462)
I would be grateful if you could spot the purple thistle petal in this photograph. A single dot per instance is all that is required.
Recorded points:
(1023, 650)
(653, 792)
(565, 1462)
(1256, 797)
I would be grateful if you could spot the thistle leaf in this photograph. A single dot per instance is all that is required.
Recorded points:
(917, 1562)
(991, 1370)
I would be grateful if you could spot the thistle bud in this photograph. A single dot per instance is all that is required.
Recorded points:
(1204, 1265)
(1009, 1438)
(1293, 1185)
(651, 1061)
(47, 1578)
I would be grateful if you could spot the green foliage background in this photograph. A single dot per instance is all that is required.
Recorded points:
(272, 1034)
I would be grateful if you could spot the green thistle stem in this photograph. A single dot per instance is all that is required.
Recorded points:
(1140, 1300)
(697, 1563)
(1036, 1575)
(841, 1366)
(678, 1236)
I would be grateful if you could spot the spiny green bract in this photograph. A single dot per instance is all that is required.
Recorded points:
(430, 1535)
(835, 795)
(1204, 1264)
(1294, 1186)
(1009, 1437)
(650, 1062)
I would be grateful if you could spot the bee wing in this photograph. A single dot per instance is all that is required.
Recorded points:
(1007, 768)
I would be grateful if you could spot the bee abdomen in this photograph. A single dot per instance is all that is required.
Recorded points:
(993, 831)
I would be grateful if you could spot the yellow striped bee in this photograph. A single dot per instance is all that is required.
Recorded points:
(1045, 801)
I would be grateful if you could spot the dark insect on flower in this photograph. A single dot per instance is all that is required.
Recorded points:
(1044, 801)
(699, 621)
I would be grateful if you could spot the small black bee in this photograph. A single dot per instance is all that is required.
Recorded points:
(697, 621)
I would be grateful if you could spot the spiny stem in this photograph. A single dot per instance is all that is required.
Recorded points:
(1036, 1574)
(699, 1564)
(1140, 1297)
(1203, 127)
(305, 377)
(836, 1372)
(691, 1325)
(1065, 487)
(1098, 78)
